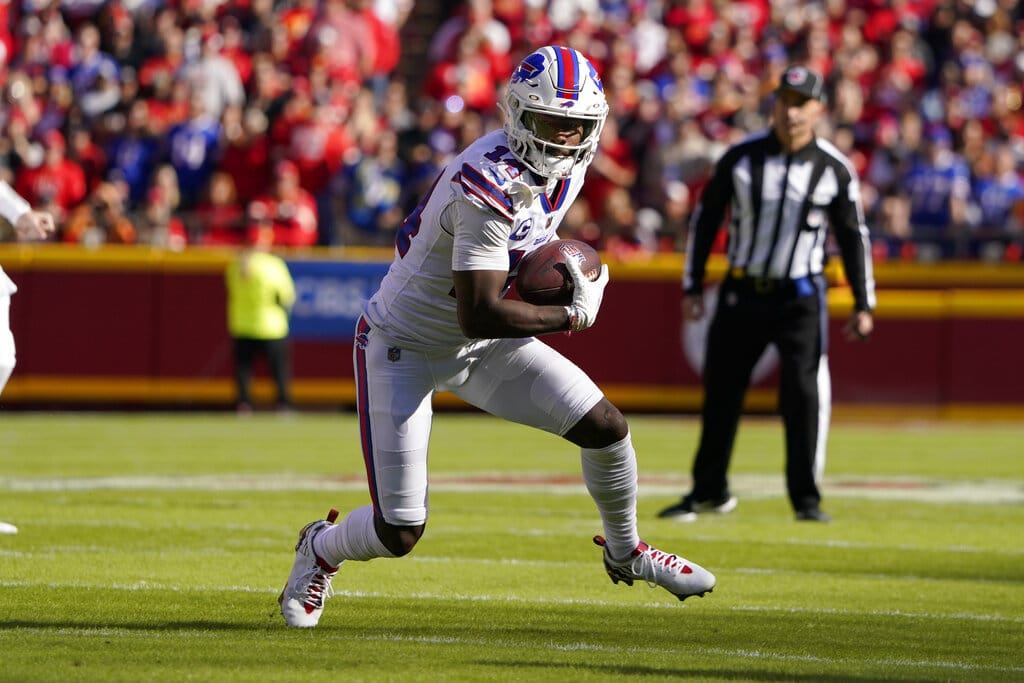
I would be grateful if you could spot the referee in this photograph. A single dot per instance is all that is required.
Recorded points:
(782, 190)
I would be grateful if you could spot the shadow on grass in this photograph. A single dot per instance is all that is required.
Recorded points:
(639, 671)
(67, 625)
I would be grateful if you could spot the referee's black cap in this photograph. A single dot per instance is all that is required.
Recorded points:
(800, 79)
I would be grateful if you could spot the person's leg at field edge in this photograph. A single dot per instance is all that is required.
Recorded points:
(7, 361)
(279, 359)
(805, 402)
(733, 347)
(245, 351)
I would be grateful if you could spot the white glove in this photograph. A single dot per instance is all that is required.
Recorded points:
(586, 296)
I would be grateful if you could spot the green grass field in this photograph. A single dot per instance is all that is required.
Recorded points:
(152, 548)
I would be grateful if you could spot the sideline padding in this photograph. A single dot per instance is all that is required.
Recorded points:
(135, 325)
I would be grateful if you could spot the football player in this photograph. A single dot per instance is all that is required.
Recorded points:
(28, 224)
(440, 322)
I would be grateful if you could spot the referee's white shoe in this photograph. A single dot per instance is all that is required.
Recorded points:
(6, 528)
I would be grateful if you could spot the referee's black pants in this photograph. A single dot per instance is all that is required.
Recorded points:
(750, 315)
(278, 358)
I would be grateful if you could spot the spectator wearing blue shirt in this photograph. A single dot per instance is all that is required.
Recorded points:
(193, 151)
(133, 154)
(997, 196)
(374, 192)
(938, 186)
(94, 75)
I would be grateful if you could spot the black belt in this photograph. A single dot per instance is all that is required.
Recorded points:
(802, 286)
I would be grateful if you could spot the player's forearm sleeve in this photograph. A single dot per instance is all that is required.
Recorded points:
(12, 206)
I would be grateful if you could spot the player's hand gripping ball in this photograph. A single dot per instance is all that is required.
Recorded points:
(543, 278)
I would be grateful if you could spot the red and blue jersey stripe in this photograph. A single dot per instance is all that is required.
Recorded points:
(475, 183)
(557, 197)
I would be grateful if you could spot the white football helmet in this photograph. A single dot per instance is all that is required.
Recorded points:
(554, 81)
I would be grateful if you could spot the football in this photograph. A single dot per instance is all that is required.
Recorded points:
(543, 278)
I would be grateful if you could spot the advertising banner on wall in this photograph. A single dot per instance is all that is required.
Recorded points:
(330, 297)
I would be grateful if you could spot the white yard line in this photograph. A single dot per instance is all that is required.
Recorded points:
(657, 604)
(747, 486)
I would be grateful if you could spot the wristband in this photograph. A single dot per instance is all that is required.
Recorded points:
(575, 319)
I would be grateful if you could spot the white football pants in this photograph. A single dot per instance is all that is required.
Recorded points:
(520, 380)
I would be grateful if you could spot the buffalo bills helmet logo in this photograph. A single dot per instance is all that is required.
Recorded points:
(529, 68)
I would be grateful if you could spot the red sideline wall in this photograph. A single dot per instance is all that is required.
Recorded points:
(136, 326)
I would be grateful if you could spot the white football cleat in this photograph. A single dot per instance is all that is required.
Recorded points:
(309, 584)
(678, 576)
(6, 528)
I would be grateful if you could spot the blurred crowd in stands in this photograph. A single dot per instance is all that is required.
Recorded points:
(197, 122)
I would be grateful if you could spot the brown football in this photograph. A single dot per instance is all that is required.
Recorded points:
(543, 278)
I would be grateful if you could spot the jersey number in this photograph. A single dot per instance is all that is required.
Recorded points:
(411, 225)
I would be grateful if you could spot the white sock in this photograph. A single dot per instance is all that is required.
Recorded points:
(610, 476)
(354, 538)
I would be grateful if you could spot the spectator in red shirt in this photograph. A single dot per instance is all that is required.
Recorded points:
(158, 71)
(220, 218)
(318, 147)
(169, 106)
(297, 18)
(695, 18)
(288, 209)
(613, 167)
(235, 49)
(84, 151)
(58, 184)
(386, 38)
(47, 38)
(343, 41)
(246, 155)
(468, 76)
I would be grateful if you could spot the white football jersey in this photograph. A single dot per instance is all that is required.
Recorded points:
(484, 212)
(7, 289)
(7, 286)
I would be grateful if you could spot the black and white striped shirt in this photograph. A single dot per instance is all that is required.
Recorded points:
(781, 206)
